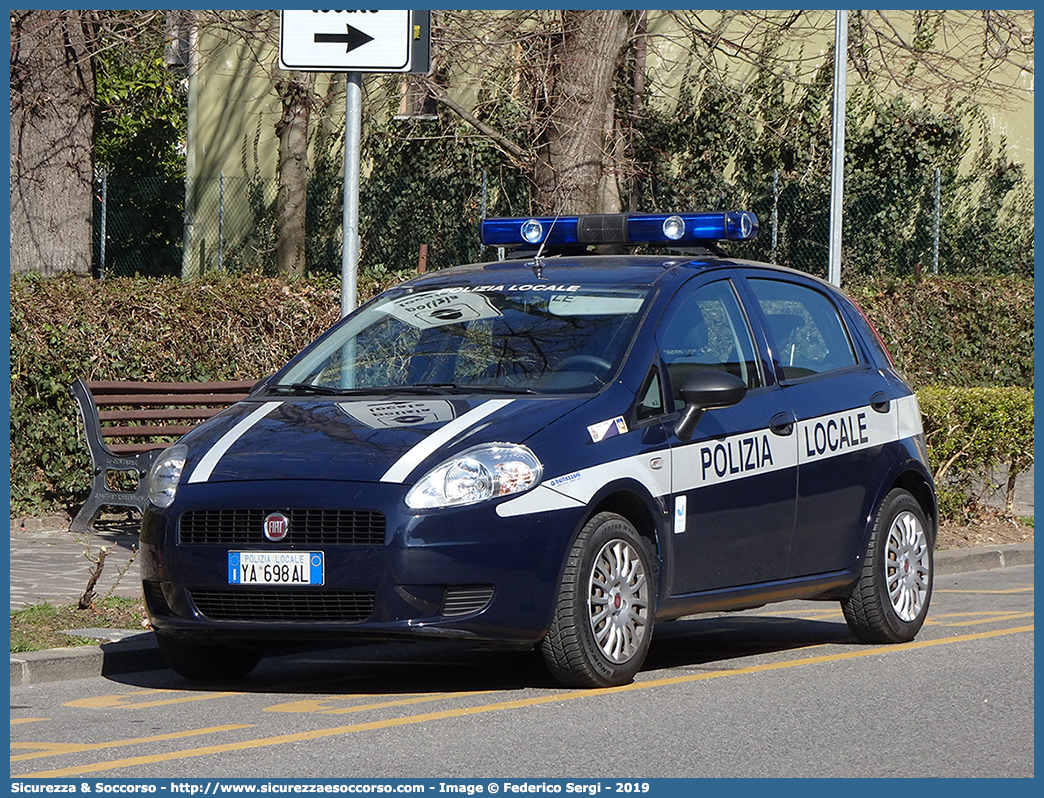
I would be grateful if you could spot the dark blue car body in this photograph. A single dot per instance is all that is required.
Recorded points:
(771, 498)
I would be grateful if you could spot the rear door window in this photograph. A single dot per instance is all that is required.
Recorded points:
(805, 330)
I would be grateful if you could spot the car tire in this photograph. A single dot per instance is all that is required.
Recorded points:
(201, 662)
(603, 620)
(890, 600)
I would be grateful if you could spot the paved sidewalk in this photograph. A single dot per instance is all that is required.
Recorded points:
(48, 563)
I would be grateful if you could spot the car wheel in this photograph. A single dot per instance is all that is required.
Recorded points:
(206, 662)
(890, 601)
(603, 621)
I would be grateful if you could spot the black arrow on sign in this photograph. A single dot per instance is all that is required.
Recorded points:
(352, 39)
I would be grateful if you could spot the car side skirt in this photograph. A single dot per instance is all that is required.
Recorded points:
(834, 585)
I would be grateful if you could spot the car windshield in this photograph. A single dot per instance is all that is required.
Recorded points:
(528, 338)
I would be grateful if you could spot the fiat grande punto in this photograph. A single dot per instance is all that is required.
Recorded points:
(557, 450)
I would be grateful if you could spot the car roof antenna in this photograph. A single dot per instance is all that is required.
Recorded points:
(538, 262)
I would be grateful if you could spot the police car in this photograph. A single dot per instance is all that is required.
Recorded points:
(557, 450)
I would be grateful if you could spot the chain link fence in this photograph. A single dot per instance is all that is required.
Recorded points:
(934, 224)
(139, 219)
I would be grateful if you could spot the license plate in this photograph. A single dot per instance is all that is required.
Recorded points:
(275, 568)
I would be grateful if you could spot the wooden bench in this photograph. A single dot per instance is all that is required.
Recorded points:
(126, 426)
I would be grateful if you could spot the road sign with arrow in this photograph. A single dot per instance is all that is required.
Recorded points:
(354, 41)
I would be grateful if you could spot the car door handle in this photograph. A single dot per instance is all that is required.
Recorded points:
(781, 424)
(880, 402)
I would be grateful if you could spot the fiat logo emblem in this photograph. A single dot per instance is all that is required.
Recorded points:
(276, 526)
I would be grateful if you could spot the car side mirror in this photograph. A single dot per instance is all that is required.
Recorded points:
(702, 391)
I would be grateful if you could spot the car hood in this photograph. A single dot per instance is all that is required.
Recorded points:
(367, 440)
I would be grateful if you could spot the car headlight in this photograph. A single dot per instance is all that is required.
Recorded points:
(483, 472)
(165, 475)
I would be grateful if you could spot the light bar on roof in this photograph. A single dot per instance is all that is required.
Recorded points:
(619, 228)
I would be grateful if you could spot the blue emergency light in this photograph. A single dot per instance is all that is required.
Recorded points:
(681, 229)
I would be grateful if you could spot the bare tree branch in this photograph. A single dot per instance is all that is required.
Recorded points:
(502, 141)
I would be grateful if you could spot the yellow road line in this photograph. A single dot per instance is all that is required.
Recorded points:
(980, 613)
(317, 734)
(53, 749)
(1027, 589)
(322, 705)
(994, 619)
(16, 721)
(97, 702)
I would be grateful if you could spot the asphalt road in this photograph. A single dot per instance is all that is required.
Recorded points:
(783, 691)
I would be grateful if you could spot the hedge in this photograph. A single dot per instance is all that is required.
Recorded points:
(247, 326)
(974, 434)
(137, 329)
(969, 332)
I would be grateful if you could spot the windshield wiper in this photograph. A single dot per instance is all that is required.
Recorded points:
(304, 388)
(454, 388)
(441, 388)
(496, 389)
(307, 388)
(425, 387)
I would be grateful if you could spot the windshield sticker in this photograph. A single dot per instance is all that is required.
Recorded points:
(607, 429)
(595, 305)
(398, 414)
(439, 309)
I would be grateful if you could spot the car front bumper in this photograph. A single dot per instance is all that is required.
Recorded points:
(455, 573)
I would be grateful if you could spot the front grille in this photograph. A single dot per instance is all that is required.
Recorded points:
(466, 600)
(315, 606)
(307, 527)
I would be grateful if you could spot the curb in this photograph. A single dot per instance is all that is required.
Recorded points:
(961, 561)
(140, 653)
(136, 653)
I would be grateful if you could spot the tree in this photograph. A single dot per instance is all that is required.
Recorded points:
(547, 95)
(296, 94)
(536, 79)
(61, 128)
(62, 125)
(574, 149)
(52, 134)
(565, 95)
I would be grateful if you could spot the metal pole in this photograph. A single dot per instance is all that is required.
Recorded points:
(190, 262)
(938, 203)
(775, 212)
(104, 214)
(350, 216)
(485, 190)
(482, 211)
(837, 161)
(221, 220)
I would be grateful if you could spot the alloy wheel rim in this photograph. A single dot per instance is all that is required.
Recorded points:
(618, 603)
(907, 566)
